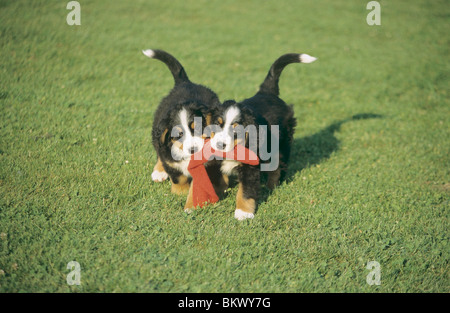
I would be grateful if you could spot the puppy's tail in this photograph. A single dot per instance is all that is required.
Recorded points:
(270, 84)
(178, 72)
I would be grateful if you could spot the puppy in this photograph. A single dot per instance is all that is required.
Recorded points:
(262, 111)
(178, 125)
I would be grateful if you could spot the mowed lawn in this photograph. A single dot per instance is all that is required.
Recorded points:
(369, 174)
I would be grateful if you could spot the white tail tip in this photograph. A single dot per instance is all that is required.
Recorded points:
(150, 53)
(305, 58)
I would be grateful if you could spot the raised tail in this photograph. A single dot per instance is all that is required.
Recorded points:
(178, 72)
(270, 84)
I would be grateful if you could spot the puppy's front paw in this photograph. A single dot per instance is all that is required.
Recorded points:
(242, 215)
(159, 177)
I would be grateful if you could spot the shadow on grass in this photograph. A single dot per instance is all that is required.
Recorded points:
(311, 150)
(314, 149)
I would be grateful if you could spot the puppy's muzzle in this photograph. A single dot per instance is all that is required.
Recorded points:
(194, 149)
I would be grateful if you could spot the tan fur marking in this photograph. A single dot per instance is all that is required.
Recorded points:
(182, 187)
(220, 120)
(190, 199)
(237, 141)
(164, 135)
(246, 205)
(226, 179)
(158, 166)
(177, 144)
(208, 119)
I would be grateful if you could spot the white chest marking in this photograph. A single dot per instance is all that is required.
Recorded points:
(182, 167)
(228, 166)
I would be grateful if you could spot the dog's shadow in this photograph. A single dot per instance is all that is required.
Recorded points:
(314, 149)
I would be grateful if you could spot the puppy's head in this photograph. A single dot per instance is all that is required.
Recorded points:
(183, 133)
(232, 127)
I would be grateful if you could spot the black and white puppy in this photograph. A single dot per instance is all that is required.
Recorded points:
(264, 110)
(178, 124)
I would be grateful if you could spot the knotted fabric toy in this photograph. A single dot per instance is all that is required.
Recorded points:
(202, 189)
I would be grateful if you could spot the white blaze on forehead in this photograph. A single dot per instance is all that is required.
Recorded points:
(188, 140)
(225, 136)
(230, 115)
(183, 116)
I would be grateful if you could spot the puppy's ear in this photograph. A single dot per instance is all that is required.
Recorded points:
(163, 136)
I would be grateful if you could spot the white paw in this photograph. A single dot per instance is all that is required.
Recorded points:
(188, 211)
(241, 215)
(158, 176)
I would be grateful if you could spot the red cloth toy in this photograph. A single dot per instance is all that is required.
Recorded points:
(202, 188)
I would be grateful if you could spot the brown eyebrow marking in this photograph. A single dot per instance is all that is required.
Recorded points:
(220, 120)
(208, 119)
(180, 130)
(192, 125)
(235, 125)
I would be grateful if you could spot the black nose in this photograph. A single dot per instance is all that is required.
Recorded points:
(221, 145)
(194, 149)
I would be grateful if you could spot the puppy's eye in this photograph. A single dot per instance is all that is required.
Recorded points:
(180, 134)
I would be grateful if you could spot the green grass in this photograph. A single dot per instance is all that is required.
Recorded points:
(76, 107)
